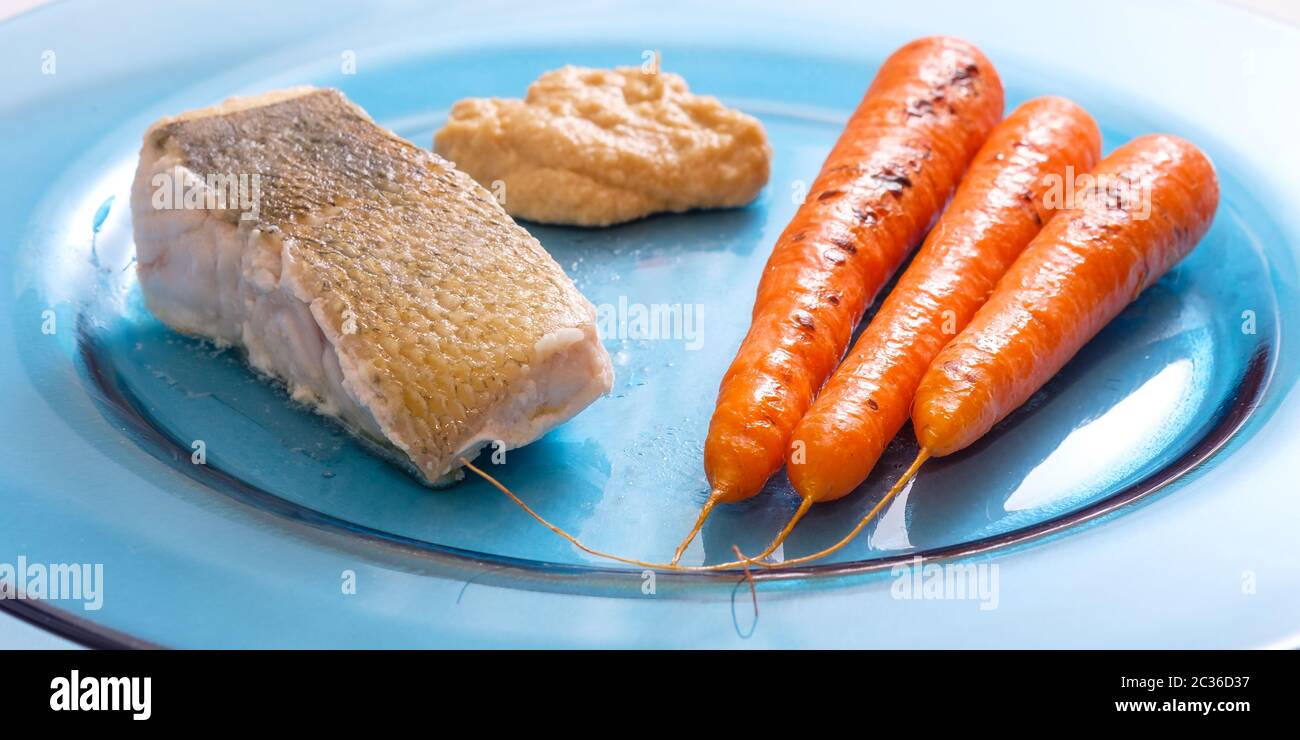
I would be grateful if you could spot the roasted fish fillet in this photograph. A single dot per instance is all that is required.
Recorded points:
(384, 287)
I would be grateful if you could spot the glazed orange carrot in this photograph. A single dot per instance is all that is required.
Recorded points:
(998, 208)
(1143, 210)
(901, 155)
(1126, 224)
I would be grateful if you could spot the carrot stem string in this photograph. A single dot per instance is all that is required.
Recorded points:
(591, 550)
(572, 540)
(743, 562)
(902, 482)
(699, 524)
(804, 507)
(753, 590)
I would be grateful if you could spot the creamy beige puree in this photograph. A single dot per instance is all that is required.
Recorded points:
(594, 147)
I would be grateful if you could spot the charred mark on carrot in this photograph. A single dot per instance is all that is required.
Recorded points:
(889, 168)
(918, 108)
(967, 72)
(893, 174)
(865, 216)
(893, 179)
(848, 244)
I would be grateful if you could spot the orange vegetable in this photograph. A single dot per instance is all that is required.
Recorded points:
(999, 207)
(1139, 212)
(1151, 201)
(902, 153)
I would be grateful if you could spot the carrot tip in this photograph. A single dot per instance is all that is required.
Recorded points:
(898, 486)
(804, 507)
(699, 524)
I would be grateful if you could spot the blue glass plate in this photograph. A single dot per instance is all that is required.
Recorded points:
(1141, 499)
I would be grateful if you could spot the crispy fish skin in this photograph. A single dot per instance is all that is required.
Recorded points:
(385, 287)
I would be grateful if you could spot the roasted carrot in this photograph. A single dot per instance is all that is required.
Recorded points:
(1141, 211)
(902, 153)
(998, 208)
(1125, 225)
